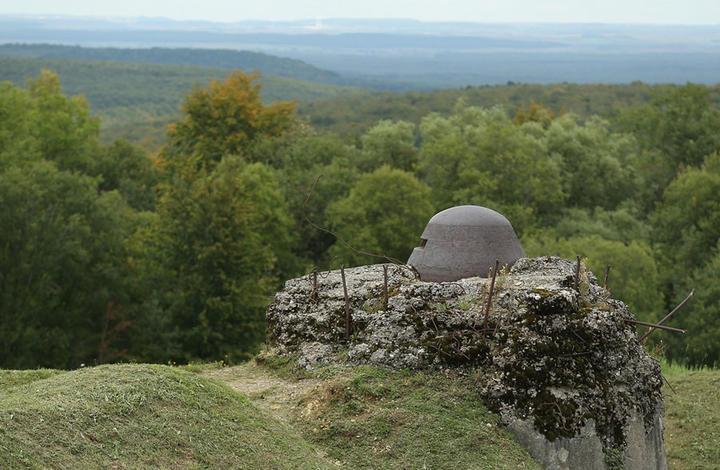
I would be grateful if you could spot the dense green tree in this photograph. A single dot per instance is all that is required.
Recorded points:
(64, 284)
(313, 172)
(43, 123)
(623, 224)
(62, 125)
(478, 156)
(17, 144)
(599, 166)
(687, 221)
(679, 127)
(384, 214)
(212, 255)
(389, 143)
(681, 122)
(222, 234)
(61, 266)
(352, 114)
(128, 170)
(700, 317)
(687, 232)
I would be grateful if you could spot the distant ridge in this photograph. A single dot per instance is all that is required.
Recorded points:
(221, 58)
(394, 54)
(148, 96)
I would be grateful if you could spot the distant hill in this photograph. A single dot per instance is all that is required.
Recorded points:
(399, 55)
(220, 58)
(138, 100)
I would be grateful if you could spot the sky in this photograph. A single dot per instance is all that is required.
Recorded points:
(560, 11)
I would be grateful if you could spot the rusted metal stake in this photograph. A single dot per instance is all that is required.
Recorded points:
(490, 294)
(385, 287)
(607, 275)
(667, 317)
(347, 304)
(668, 384)
(577, 275)
(314, 293)
(654, 325)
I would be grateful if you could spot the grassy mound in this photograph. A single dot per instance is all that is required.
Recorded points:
(139, 416)
(143, 416)
(369, 417)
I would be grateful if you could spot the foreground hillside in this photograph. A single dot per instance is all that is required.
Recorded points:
(264, 416)
(139, 416)
(130, 416)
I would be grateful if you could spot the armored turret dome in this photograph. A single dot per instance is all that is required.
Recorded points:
(464, 241)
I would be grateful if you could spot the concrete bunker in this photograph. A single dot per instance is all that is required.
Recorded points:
(563, 367)
(464, 241)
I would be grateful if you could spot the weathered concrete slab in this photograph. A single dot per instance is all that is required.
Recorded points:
(561, 366)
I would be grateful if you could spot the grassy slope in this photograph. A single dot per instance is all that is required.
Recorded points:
(373, 418)
(130, 416)
(140, 416)
(692, 418)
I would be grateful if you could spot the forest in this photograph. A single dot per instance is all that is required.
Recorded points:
(111, 253)
(132, 97)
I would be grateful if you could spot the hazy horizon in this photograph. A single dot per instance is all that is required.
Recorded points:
(657, 12)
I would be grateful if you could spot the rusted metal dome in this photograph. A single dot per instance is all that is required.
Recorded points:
(464, 241)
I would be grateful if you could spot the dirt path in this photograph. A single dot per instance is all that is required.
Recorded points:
(267, 391)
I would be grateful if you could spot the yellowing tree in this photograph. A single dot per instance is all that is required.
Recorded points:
(535, 112)
(224, 118)
(221, 234)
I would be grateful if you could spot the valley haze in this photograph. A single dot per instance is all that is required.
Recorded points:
(408, 54)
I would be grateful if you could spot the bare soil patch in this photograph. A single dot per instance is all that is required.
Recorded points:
(278, 395)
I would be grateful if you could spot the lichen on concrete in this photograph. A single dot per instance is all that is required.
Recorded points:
(553, 359)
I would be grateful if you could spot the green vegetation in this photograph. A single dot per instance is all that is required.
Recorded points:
(134, 416)
(380, 221)
(692, 417)
(11, 378)
(368, 417)
(217, 58)
(61, 236)
(374, 418)
(145, 98)
(139, 416)
(110, 255)
(174, 257)
(350, 115)
(105, 256)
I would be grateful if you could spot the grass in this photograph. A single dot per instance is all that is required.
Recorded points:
(139, 416)
(151, 416)
(10, 378)
(692, 417)
(372, 418)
